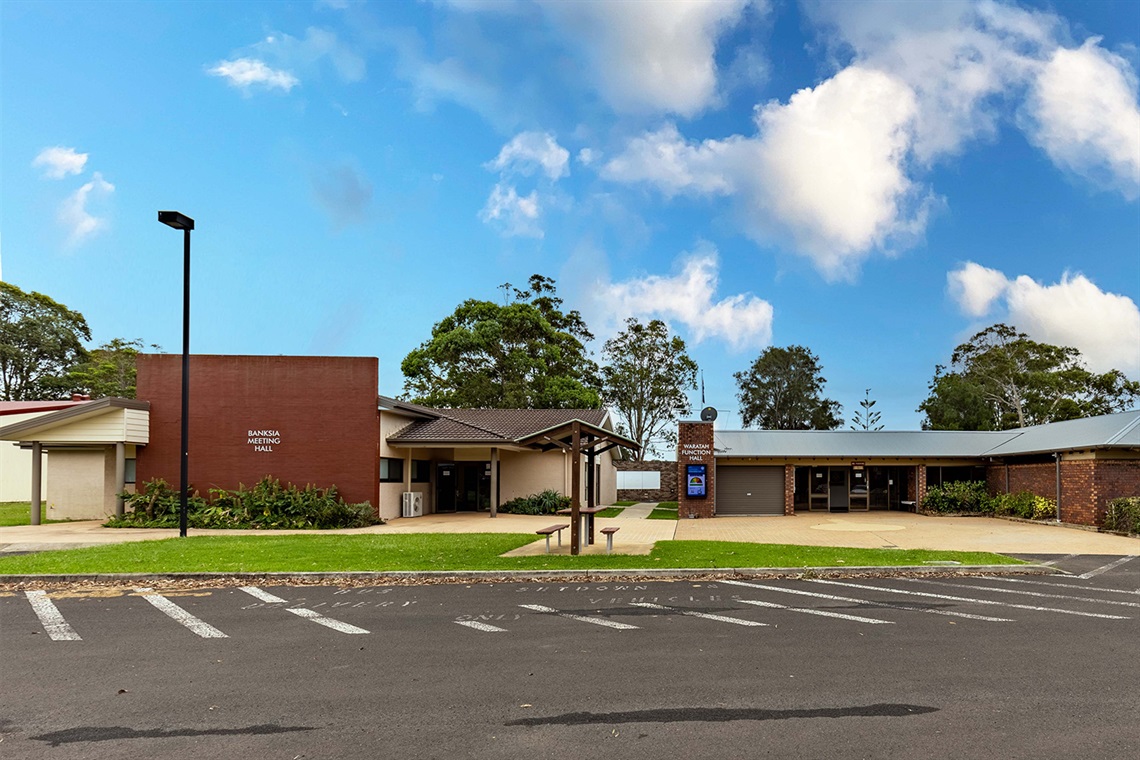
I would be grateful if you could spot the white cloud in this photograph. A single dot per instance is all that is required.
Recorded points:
(58, 162)
(975, 288)
(655, 57)
(317, 45)
(1104, 326)
(528, 150)
(515, 215)
(1084, 115)
(687, 297)
(80, 223)
(246, 73)
(825, 172)
(587, 156)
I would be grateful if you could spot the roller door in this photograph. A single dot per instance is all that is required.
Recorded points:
(749, 490)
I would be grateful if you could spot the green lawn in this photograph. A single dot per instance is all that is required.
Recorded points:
(666, 510)
(611, 512)
(624, 503)
(20, 513)
(427, 551)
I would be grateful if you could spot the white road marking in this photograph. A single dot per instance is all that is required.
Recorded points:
(1106, 568)
(481, 626)
(308, 614)
(1023, 593)
(1135, 592)
(57, 628)
(1061, 559)
(327, 622)
(907, 607)
(172, 610)
(705, 615)
(824, 613)
(970, 600)
(264, 596)
(580, 618)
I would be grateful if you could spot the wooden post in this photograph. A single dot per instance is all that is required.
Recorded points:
(575, 487)
(37, 475)
(495, 481)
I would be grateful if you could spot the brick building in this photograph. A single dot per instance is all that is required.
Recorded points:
(1080, 464)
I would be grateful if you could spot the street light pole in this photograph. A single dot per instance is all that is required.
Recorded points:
(186, 224)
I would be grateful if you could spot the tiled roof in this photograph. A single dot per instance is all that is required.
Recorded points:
(491, 425)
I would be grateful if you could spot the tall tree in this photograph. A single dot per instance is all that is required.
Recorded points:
(108, 371)
(781, 391)
(1000, 379)
(867, 418)
(526, 353)
(646, 379)
(40, 340)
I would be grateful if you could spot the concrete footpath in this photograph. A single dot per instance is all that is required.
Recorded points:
(873, 530)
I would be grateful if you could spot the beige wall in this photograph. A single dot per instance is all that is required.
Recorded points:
(81, 484)
(16, 464)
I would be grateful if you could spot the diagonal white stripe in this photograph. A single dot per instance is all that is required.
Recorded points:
(1106, 568)
(581, 618)
(1060, 559)
(481, 626)
(327, 622)
(824, 613)
(907, 607)
(264, 596)
(705, 615)
(57, 628)
(1097, 589)
(970, 600)
(172, 610)
(1023, 593)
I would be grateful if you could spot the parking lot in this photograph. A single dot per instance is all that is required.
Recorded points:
(950, 667)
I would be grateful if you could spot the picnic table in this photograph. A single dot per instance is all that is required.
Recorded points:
(587, 533)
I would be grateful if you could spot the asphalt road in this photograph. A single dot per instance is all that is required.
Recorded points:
(1028, 667)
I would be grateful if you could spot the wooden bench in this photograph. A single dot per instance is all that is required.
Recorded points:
(552, 529)
(609, 534)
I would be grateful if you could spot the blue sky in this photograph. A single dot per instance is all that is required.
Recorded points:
(875, 181)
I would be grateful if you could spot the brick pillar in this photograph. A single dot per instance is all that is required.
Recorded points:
(695, 446)
(789, 489)
(920, 486)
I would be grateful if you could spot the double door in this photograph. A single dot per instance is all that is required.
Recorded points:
(462, 486)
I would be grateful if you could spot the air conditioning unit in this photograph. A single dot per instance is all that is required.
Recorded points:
(412, 504)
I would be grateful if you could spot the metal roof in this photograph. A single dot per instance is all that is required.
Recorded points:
(1106, 431)
(854, 444)
(490, 425)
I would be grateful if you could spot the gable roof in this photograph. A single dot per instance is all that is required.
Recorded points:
(60, 420)
(490, 425)
(1108, 431)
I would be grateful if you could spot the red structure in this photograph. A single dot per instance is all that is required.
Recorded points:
(302, 419)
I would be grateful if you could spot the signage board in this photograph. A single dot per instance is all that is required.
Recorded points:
(696, 481)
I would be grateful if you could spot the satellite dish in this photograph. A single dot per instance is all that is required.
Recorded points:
(708, 414)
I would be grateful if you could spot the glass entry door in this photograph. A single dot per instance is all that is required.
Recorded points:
(837, 489)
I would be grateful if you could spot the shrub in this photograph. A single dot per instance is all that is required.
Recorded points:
(1123, 515)
(967, 496)
(267, 505)
(546, 503)
(1025, 505)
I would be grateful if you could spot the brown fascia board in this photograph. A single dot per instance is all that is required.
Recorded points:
(588, 426)
(403, 407)
(79, 410)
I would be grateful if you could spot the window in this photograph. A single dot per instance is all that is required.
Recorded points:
(129, 472)
(391, 470)
(630, 479)
(421, 471)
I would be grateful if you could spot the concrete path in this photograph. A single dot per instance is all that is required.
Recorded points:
(866, 530)
(639, 511)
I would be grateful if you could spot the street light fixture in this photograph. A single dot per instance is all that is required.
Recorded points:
(182, 222)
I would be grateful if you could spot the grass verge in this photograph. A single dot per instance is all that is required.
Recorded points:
(610, 512)
(624, 503)
(436, 551)
(20, 513)
(666, 510)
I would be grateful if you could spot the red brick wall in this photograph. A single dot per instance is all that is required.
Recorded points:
(1087, 485)
(324, 408)
(695, 446)
(789, 489)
